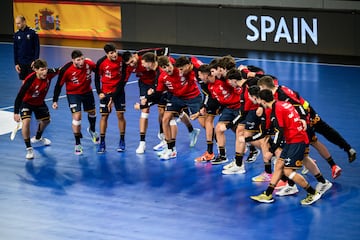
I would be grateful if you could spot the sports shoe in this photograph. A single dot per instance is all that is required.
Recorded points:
(235, 169)
(101, 148)
(29, 153)
(160, 146)
(141, 148)
(78, 149)
(323, 187)
(94, 136)
(263, 177)
(280, 185)
(219, 160)
(263, 198)
(252, 156)
(42, 140)
(352, 155)
(121, 146)
(287, 190)
(168, 154)
(311, 198)
(335, 171)
(205, 157)
(229, 165)
(194, 136)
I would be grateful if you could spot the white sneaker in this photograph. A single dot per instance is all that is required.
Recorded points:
(160, 146)
(168, 154)
(229, 165)
(78, 150)
(194, 136)
(287, 190)
(29, 153)
(235, 169)
(323, 187)
(141, 148)
(42, 140)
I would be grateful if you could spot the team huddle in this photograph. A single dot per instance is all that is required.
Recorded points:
(264, 115)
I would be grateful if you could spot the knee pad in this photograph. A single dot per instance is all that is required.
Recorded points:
(76, 122)
(144, 115)
(292, 175)
(173, 122)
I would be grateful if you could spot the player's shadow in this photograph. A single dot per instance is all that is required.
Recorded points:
(43, 173)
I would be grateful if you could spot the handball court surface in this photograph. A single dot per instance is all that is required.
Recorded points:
(59, 195)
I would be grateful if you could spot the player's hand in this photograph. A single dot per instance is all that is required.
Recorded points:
(194, 116)
(303, 122)
(55, 105)
(101, 96)
(137, 106)
(150, 91)
(143, 101)
(241, 139)
(17, 117)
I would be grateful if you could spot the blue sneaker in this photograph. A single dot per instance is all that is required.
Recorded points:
(101, 148)
(121, 146)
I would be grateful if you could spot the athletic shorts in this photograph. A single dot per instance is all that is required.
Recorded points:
(228, 114)
(118, 101)
(76, 100)
(41, 112)
(176, 104)
(293, 155)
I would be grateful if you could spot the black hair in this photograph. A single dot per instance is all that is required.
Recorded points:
(182, 61)
(214, 63)
(234, 74)
(76, 54)
(266, 95)
(109, 47)
(254, 90)
(126, 56)
(204, 68)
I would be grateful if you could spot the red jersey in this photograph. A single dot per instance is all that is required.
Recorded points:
(285, 117)
(179, 86)
(225, 94)
(111, 73)
(248, 104)
(34, 89)
(145, 76)
(78, 80)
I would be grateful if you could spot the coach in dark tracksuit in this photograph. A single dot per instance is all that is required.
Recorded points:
(26, 47)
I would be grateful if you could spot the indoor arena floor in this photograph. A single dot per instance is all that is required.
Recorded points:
(59, 195)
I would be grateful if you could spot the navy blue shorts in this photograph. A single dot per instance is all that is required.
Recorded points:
(41, 112)
(293, 154)
(176, 104)
(227, 114)
(252, 121)
(76, 100)
(118, 101)
(212, 106)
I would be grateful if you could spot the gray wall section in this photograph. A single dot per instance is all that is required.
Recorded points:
(225, 26)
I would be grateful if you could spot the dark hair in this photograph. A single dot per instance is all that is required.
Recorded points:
(234, 74)
(163, 61)
(266, 95)
(266, 81)
(149, 57)
(214, 63)
(254, 90)
(109, 47)
(76, 54)
(126, 56)
(40, 63)
(182, 61)
(204, 68)
(227, 62)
